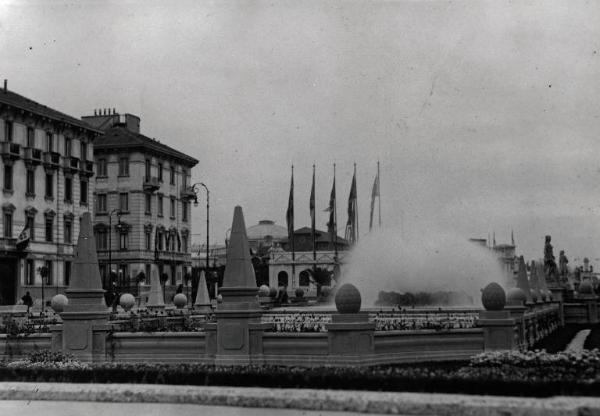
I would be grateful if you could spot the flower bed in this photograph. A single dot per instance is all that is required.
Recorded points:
(505, 373)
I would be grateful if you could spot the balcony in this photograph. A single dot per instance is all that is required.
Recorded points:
(87, 168)
(70, 163)
(8, 244)
(187, 193)
(10, 150)
(33, 155)
(151, 183)
(52, 159)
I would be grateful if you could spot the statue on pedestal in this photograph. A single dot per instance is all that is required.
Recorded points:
(550, 269)
(563, 270)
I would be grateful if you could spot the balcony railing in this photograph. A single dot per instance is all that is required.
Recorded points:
(33, 155)
(151, 183)
(87, 167)
(52, 159)
(70, 163)
(187, 192)
(10, 150)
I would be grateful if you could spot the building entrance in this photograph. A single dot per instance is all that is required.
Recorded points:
(8, 280)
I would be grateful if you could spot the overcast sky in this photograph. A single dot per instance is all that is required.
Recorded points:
(484, 115)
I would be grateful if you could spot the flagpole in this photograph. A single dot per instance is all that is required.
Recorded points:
(335, 250)
(379, 192)
(293, 245)
(356, 206)
(313, 214)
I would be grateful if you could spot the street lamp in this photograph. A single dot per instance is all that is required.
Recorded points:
(118, 211)
(195, 189)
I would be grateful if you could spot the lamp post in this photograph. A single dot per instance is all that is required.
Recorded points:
(194, 188)
(118, 211)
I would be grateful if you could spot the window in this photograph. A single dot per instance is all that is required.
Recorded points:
(67, 276)
(172, 175)
(304, 278)
(83, 150)
(68, 189)
(101, 240)
(148, 271)
(29, 272)
(30, 223)
(49, 185)
(8, 178)
(159, 235)
(184, 243)
(83, 192)
(160, 172)
(184, 178)
(124, 201)
(30, 137)
(8, 224)
(123, 241)
(124, 166)
(148, 204)
(68, 231)
(67, 147)
(102, 168)
(148, 168)
(160, 205)
(49, 228)
(49, 142)
(172, 208)
(48, 264)
(30, 183)
(8, 131)
(184, 211)
(148, 240)
(101, 203)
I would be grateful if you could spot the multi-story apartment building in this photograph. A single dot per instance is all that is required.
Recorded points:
(46, 171)
(142, 217)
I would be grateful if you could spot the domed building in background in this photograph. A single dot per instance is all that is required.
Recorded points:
(265, 235)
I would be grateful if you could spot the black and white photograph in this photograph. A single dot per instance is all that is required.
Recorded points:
(299, 207)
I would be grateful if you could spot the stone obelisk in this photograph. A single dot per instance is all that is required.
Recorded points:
(85, 318)
(202, 303)
(156, 299)
(238, 328)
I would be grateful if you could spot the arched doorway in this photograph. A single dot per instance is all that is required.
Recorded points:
(282, 278)
(304, 278)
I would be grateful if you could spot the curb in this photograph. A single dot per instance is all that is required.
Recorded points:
(305, 399)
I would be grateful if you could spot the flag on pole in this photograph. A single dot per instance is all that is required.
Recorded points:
(289, 216)
(312, 208)
(374, 194)
(24, 237)
(351, 223)
(512, 237)
(331, 224)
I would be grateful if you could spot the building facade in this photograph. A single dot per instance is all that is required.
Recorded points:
(46, 172)
(142, 218)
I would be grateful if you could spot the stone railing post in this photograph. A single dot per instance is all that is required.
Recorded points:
(497, 324)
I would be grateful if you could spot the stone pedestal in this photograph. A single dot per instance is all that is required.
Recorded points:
(516, 313)
(350, 338)
(591, 304)
(558, 293)
(498, 330)
(239, 329)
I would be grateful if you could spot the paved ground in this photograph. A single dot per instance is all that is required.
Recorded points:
(61, 408)
(67, 399)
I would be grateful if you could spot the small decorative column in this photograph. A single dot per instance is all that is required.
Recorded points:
(239, 329)
(497, 323)
(515, 305)
(85, 317)
(350, 334)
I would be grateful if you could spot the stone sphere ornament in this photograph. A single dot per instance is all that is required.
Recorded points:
(272, 292)
(299, 292)
(180, 300)
(127, 300)
(325, 291)
(515, 297)
(264, 291)
(347, 299)
(493, 297)
(59, 302)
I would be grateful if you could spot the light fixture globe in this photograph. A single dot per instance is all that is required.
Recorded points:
(493, 297)
(263, 291)
(59, 302)
(347, 299)
(180, 300)
(127, 300)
